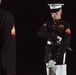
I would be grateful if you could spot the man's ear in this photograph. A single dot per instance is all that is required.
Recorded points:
(61, 11)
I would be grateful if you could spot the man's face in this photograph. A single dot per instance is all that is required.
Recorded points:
(56, 15)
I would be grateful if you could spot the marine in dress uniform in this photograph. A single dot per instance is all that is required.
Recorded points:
(58, 35)
(7, 43)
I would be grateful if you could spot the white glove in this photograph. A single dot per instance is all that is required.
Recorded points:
(51, 63)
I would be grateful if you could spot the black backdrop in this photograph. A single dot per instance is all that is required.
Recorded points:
(29, 15)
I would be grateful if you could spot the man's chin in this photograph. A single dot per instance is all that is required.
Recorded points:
(55, 18)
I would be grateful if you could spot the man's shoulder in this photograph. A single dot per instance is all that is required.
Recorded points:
(48, 21)
(66, 23)
(4, 13)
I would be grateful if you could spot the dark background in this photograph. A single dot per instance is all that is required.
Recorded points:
(29, 16)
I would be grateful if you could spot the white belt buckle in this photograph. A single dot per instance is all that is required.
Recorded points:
(60, 38)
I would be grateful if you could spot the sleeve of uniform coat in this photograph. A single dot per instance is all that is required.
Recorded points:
(43, 32)
(8, 44)
(65, 43)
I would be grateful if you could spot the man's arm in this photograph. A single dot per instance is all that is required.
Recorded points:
(64, 45)
(43, 32)
(8, 54)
